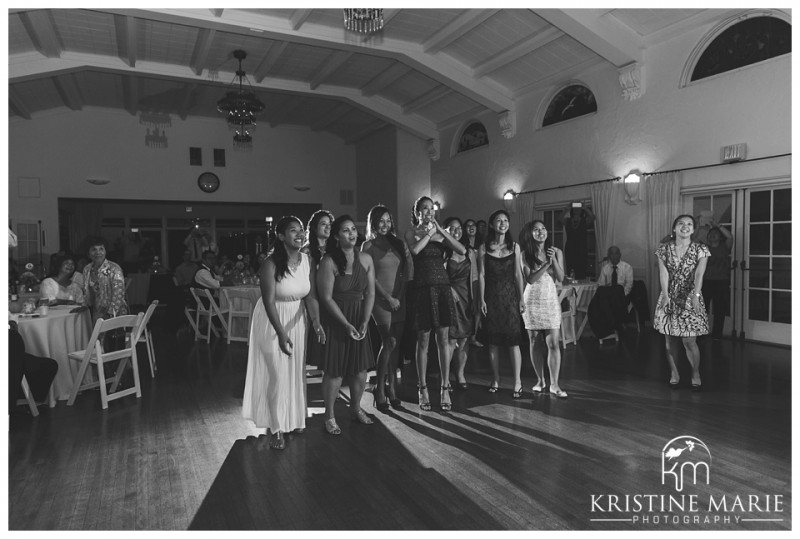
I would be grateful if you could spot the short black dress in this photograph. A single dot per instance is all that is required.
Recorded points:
(459, 273)
(342, 355)
(502, 325)
(433, 305)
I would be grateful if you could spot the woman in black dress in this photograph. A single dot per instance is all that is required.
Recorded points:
(500, 297)
(459, 270)
(433, 304)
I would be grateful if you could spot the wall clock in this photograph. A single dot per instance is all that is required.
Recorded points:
(208, 182)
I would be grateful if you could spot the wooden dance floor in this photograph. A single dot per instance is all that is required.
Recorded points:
(181, 457)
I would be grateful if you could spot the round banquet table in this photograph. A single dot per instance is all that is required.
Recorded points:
(55, 335)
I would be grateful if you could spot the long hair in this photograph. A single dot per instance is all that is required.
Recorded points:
(312, 244)
(279, 255)
(465, 239)
(446, 223)
(373, 221)
(415, 209)
(57, 260)
(675, 222)
(529, 245)
(332, 247)
(492, 233)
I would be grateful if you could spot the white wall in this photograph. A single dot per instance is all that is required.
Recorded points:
(667, 128)
(376, 166)
(413, 177)
(64, 148)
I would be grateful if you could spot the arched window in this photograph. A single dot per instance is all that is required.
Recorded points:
(474, 136)
(752, 40)
(573, 101)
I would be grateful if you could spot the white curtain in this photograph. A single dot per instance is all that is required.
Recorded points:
(662, 199)
(523, 212)
(608, 201)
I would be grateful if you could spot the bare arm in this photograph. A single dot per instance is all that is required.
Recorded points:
(663, 277)
(312, 303)
(698, 282)
(267, 285)
(481, 280)
(456, 245)
(416, 245)
(589, 215)
(518, 277)
(369, 295)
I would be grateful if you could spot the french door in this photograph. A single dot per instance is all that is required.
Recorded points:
(759, 217)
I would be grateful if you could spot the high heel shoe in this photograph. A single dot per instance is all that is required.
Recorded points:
(493, 388)
(331, 427)
(395, 402)
(446, 406)
(361, 417)
(424, 400)
(381, 406)
(517, 394)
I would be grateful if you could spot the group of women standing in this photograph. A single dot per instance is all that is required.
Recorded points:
(319, 290)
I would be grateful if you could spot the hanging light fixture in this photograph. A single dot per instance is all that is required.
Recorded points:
(241, 107)
(363, 21)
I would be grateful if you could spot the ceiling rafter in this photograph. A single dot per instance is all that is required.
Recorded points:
(298, 17)
(68, 90)
(17, 105)
(460, 118)
(271, 60)
(559, 77)
(131, 90)
(331, 117)
(426, 99)
(202, 47)
(216, 12)
(329, 66)
(456, 29)
(42, 31)
(126, 38)
(385, 78)
(516, 51)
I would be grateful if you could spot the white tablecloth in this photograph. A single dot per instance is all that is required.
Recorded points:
(253, 292)
(55, 336)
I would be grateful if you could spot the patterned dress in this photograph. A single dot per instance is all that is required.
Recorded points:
(459, 274)
(433, 304)
(502, 325)
(542, 309)
(342, 355)
(274, 388)
(680, 319)
(104, 290)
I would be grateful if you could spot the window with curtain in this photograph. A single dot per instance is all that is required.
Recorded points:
(552, 220)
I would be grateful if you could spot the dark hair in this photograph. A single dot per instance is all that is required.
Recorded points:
(332, 247)
(91, 241)
(675, 222)
(373, 220)
(415, 209)
(311, 233)
(492, 233)
(279, 255)
(57, 260)
(528, 243)
(446, 223)
(465, 239)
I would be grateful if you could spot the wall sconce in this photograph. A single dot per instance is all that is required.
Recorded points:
(508, 200)
(631, 182)
(437, 206)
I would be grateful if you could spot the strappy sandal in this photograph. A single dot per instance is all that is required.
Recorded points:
(361, 417)
(517, 393)
(560, 393)
(446, 406)
(331, 427)
(493, 388)
(424, 405)
(276, 441)
(539, 387)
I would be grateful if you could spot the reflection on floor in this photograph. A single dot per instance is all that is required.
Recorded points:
(181, 457)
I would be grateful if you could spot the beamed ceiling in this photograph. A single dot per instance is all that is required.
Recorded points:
(426, 70)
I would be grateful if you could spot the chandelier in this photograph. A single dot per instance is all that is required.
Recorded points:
(241, 107)
(364, 21)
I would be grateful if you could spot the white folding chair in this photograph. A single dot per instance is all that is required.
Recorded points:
(188, 312)
(239, 306)
(147, 337)
(568, 316)
(210, 311)
(26, 390)
(95, 354)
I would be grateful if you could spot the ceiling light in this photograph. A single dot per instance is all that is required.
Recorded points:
(241, 107)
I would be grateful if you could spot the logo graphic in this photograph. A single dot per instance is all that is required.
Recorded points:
(685, 454)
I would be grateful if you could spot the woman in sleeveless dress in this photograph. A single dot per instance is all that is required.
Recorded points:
(460, 273)
(542, 268)
(317, 233)
(392, 262)
(275, 384)
(433, 305)
(472, 240)
(346, 282)
(500, 298)
(680, 310)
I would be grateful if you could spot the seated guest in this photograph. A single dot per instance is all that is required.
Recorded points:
(59, 288)
(205, 277)
(184, 273)
(38, 371)
(609, 306)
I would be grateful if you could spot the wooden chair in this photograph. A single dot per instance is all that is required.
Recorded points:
(95, 354)
(208, 309)
(147, 337)
(245, 311)
(568, 316)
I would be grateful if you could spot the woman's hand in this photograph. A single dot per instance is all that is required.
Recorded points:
(319, 332)
(483, 307)
(696, 302)
(394, 303)
(285, 344)
(665, 303)
(362, 330)
(352, 331)
(551, 255)
(521, 305)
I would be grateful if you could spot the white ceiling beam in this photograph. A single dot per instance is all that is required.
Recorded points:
(202, 47)
(67, 88)
(385, 78)
(16, 104)
(271, 60)
(426, 99)
(216, 12)
(329, 66)
(130, 93)
(126, 38)
(604, 34)
(561, 77)
(438, 67)
(460, 118)
(456, 29)
(516, 51)
(367, 130)
(331, 117)
(298, 17)
(42, 31)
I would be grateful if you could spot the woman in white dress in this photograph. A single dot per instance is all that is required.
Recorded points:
(60, 287)
(275, 385)
(542, 268)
